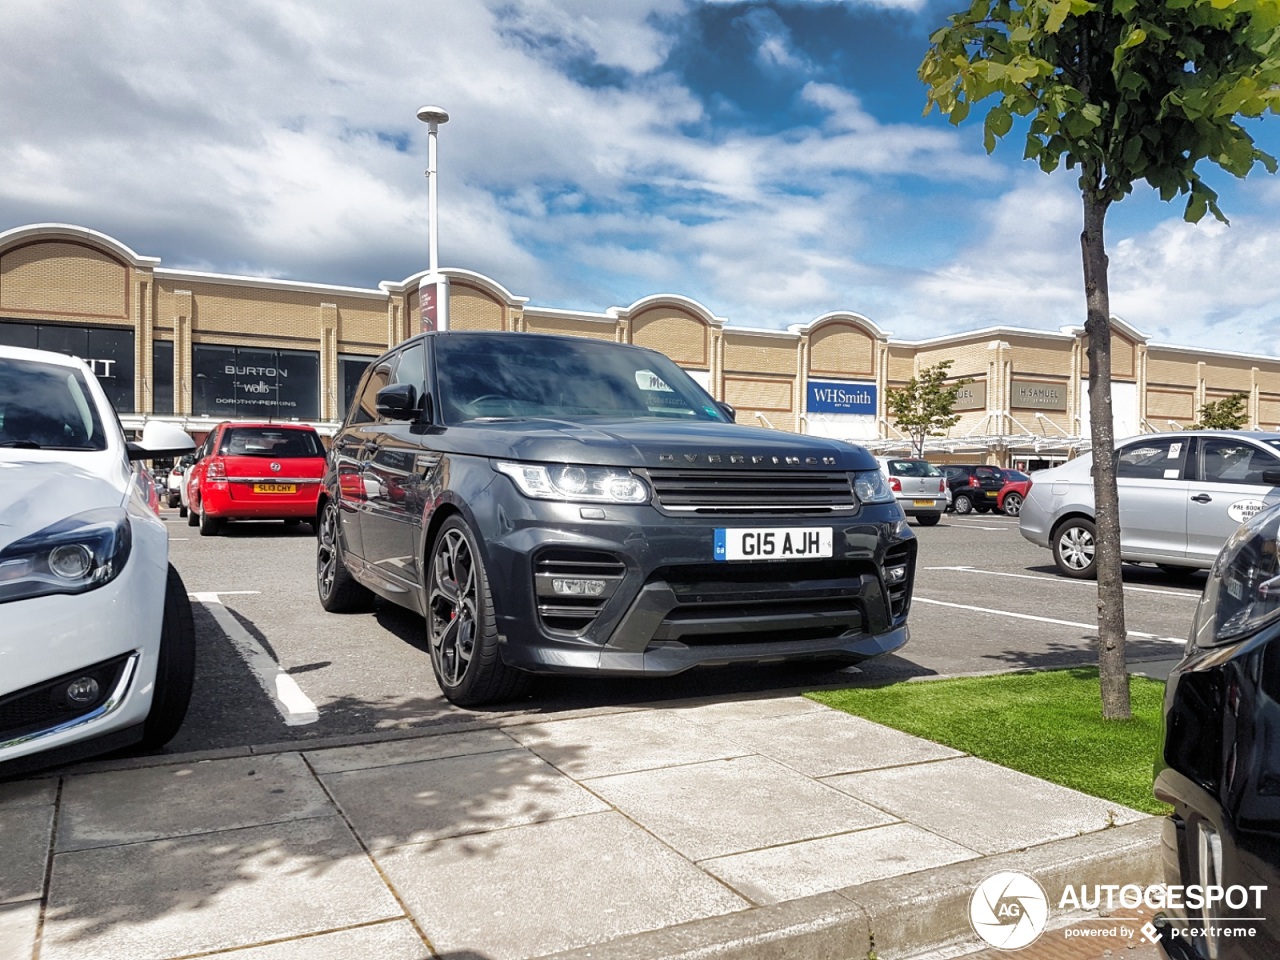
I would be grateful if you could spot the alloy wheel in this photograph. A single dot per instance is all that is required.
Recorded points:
(327, 549)
(453, 605)
(1076, 547)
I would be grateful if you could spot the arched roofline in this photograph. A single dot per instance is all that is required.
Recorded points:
(35, 232)
(487, 284)
(667, 299)
(1117, 326)
(844, 316)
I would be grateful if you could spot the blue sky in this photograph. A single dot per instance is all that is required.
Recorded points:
(769, 160)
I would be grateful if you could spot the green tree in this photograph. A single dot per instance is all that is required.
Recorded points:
(1120, 91)
(1226, 414)
(923, 407)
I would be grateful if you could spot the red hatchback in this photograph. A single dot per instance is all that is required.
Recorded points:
(255, 471)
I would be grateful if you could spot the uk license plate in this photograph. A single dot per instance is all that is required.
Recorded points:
(275, 488)
(772, 543)
(922, 503)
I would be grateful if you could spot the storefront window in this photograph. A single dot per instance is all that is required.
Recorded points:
(107, 350)
(350, 370)
(247, 382)
(162, 376)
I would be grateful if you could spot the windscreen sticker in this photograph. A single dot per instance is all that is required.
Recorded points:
(1171, 474)
(1175, 451)
(1243, 510)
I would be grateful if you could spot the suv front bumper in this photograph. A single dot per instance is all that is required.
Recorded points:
(665, 605)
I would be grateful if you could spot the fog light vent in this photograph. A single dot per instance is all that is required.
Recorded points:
(83, 690)
(566, 587)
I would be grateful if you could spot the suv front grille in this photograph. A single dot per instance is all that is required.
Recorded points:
(596, 574)
(730, 492)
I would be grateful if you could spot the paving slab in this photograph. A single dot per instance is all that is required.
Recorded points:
(174, 897)
(28, 793)
(721, 807)
(435, 799)
(370, 755)
(814, 866)
(392, 940)
(550, 886)
(601, 746)
(18, 923)
(129, 806)
(756, 709)
(24, 834)
(984, 806)
(826, 742)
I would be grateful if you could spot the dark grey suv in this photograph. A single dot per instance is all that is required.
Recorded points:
(562, 505)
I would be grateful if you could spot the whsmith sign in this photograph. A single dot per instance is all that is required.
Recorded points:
(1037, 395)
(831, 396)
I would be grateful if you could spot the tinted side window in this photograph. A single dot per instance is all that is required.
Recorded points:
(1228, 460)
(365, 409)
(1159, 459)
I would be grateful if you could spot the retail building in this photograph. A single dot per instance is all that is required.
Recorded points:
(196, 348)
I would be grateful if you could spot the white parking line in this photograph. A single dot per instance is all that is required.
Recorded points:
(295, 706)
(1062, 623)
(1030, 576)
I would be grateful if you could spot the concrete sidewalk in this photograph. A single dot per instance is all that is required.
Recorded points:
(771, 827)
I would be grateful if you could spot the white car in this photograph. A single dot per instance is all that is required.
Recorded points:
(97, 650)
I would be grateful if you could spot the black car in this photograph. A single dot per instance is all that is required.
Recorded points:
(974, 486)
(563, 505)
(1220, 763)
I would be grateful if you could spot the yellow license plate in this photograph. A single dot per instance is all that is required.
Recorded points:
(275, 488)
(922, 503)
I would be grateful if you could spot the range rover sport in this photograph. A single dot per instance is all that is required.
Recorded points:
(562, 505)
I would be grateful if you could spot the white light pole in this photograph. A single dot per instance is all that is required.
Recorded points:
(433, 289)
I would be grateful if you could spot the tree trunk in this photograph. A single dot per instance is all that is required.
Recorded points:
(1111, 629)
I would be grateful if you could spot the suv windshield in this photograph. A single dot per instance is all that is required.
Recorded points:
(531, 376)
(270, 442)
(45, 406)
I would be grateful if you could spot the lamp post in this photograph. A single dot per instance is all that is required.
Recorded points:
(433, 288)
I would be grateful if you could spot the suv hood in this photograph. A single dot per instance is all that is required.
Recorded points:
(38, 494)
(655, 443)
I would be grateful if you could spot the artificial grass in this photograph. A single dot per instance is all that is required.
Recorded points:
(1048, 724)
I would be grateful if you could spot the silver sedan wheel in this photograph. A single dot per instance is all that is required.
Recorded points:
(452, 606)
(1076, 548)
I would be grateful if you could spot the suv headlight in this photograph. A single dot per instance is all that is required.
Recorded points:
(870, 486)
(575, 483)
(1243, 591)
(74, 555)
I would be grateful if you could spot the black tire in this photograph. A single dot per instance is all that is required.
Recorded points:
(962, 503)
(1012, 504)
(174, 500)
(929, 519)
(339, 591)
(182, 511)
(1075, 545)
(209, 526)
(981, 508)
(462, 630)
(193, 518)
(175, 668)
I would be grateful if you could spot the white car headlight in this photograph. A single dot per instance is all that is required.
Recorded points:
(74, 555)
(870, 486)
(1242, 594)
(575, 483)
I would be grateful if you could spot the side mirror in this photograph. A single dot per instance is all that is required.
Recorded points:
(160, 440)
(728, 410)
(1271, 478)
(399, 401)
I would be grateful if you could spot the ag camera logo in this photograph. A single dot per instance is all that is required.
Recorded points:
(1009, 910)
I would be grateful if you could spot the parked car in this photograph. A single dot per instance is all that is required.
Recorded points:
(919, 486)
(98, 648)
(174, 475)
(563, 505)
(974, 486)
(1181, 496)
(1219, 763)
(255, 471)
(1014, 492)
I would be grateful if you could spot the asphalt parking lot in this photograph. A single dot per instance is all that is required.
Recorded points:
(274, 666)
